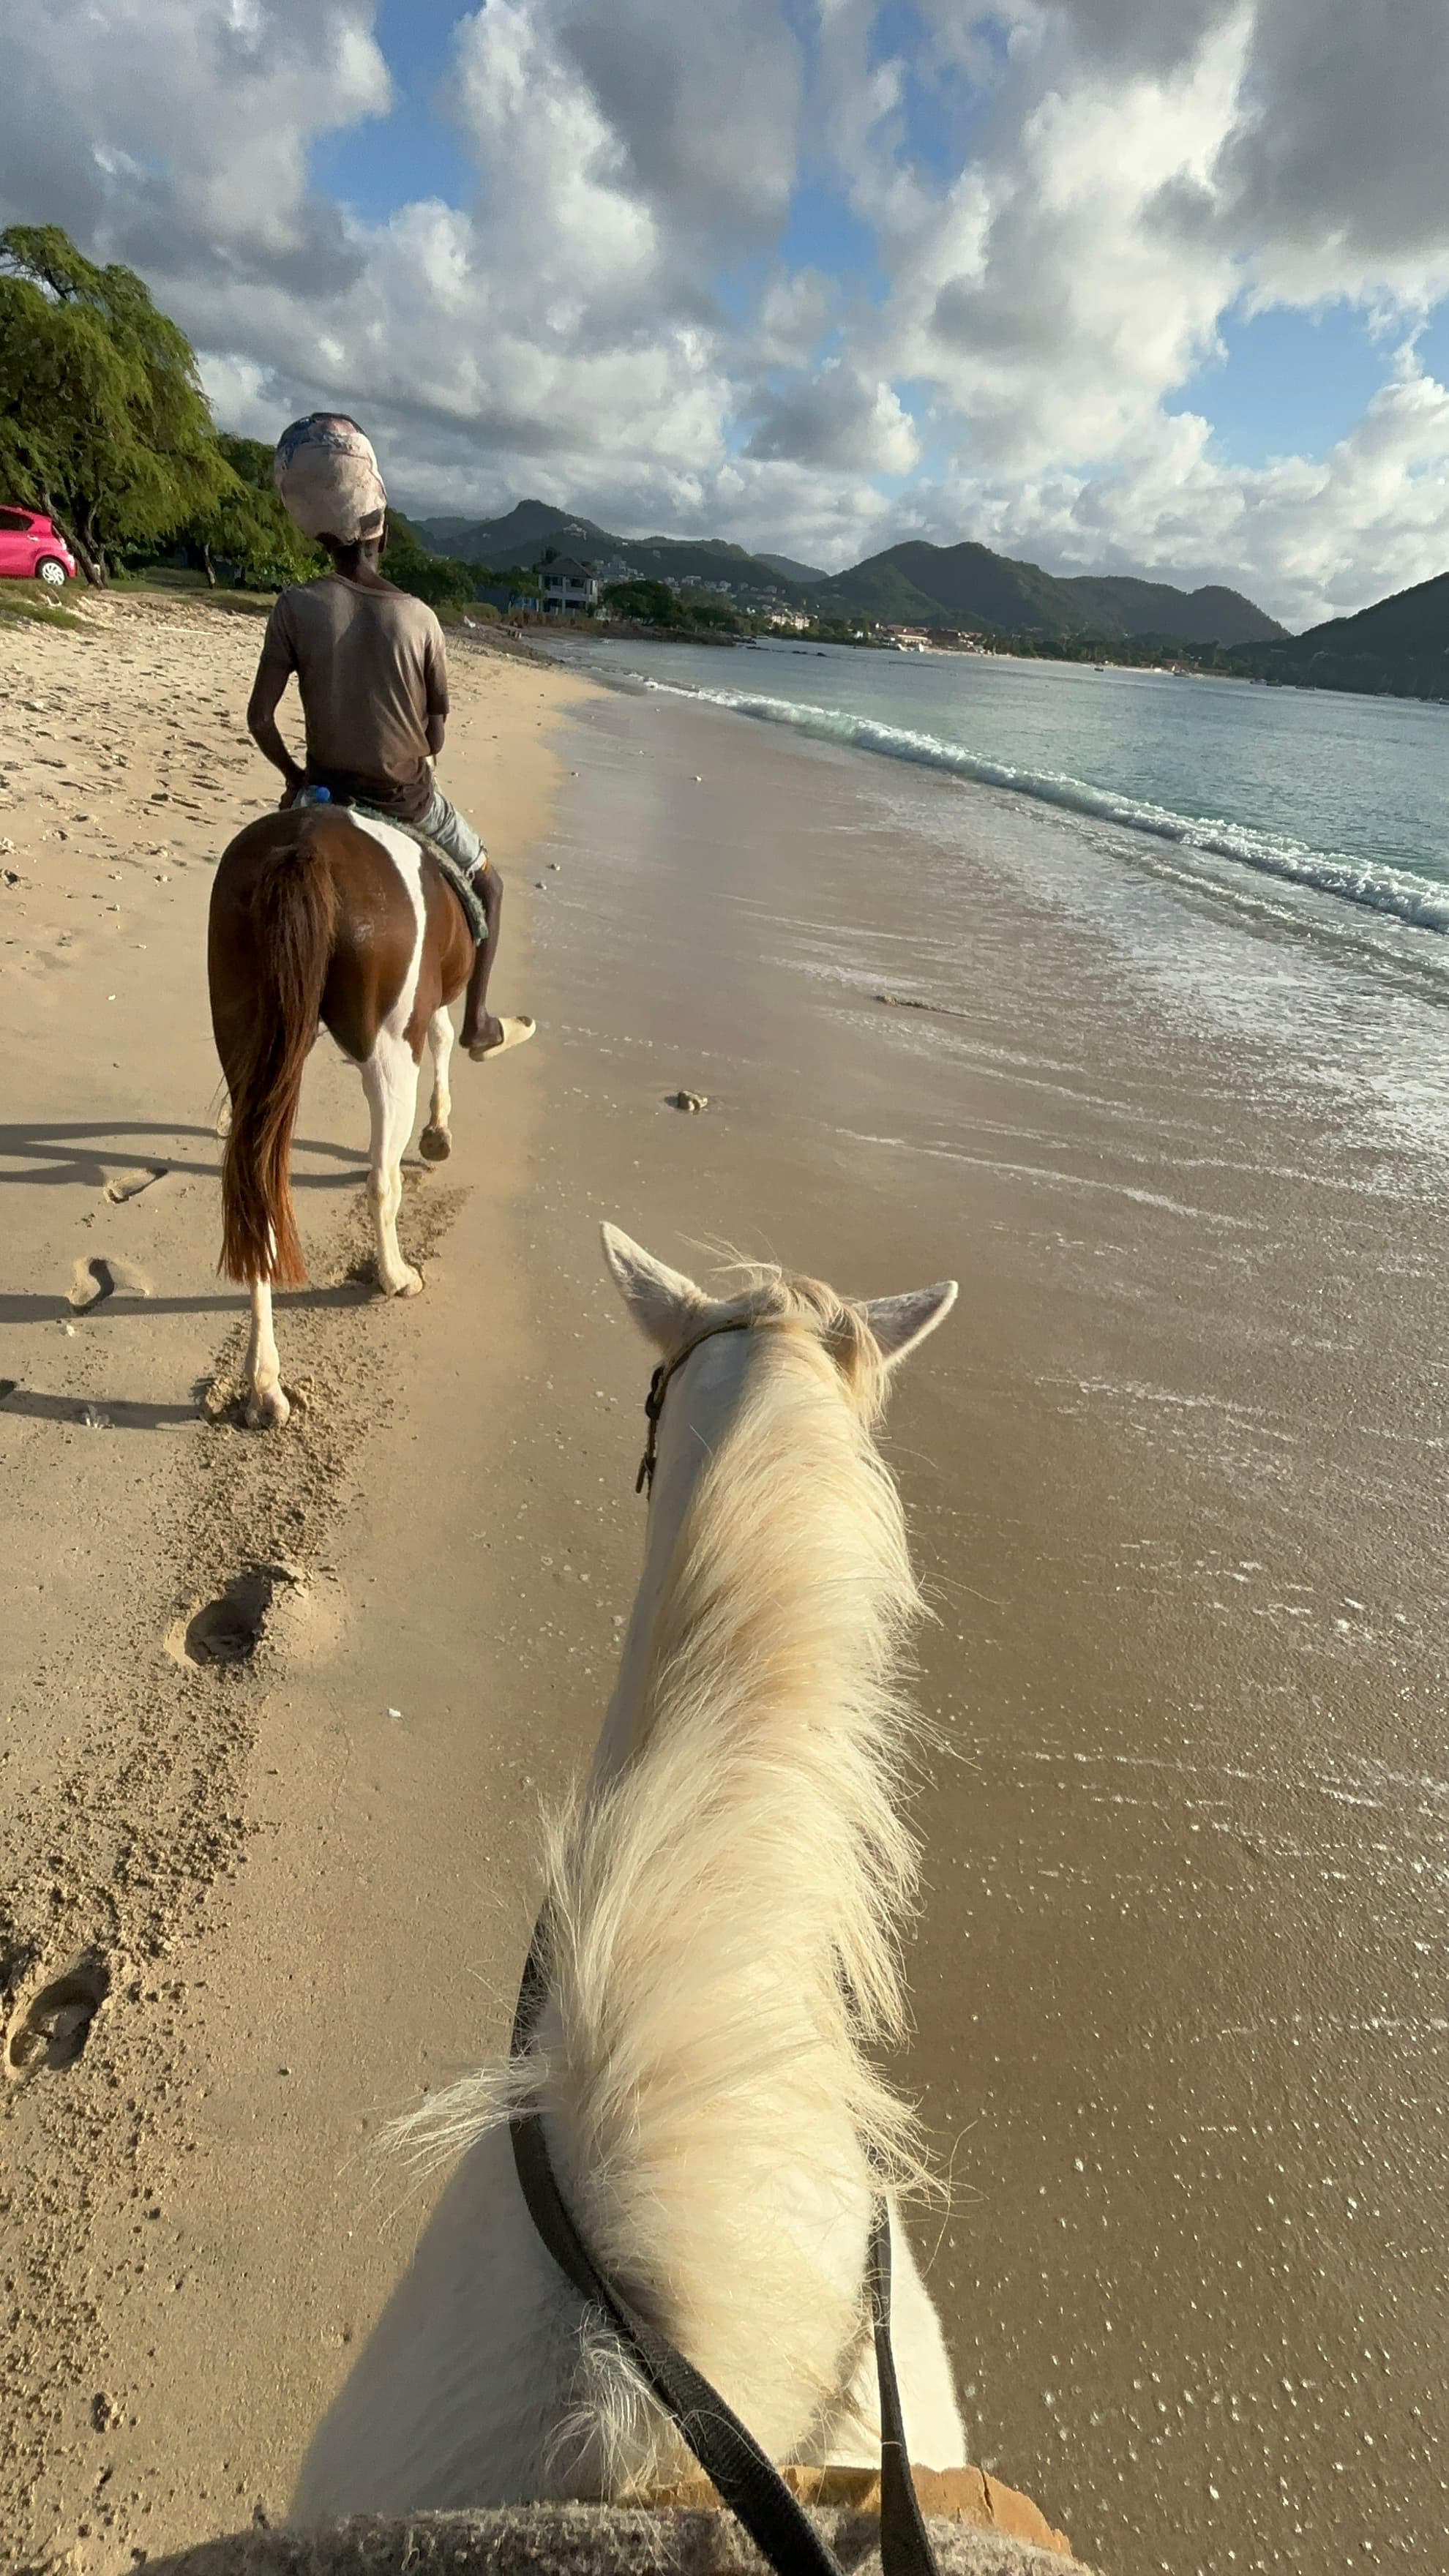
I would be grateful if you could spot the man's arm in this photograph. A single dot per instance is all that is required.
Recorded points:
(435, 680)
(268, 689)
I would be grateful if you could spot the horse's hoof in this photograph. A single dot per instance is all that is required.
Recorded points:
(267, 1409)
(409, 1285)
(435, 1144)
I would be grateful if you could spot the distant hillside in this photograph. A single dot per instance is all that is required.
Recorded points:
(519, 537)
(1397, 648)
(914, 584)
(794, 571)
(528, 530)
(1211, 615)
(968, 585)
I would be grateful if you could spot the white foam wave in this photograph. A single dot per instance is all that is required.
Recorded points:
(1371, 883)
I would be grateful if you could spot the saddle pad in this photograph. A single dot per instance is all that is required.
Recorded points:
(968, 2496)
(584, 2540)
(461, 884)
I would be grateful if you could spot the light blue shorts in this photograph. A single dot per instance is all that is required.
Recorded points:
(444, 824)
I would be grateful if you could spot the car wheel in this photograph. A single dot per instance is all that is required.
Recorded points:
(53, 574)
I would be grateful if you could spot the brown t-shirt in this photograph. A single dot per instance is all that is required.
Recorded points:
(371, 668)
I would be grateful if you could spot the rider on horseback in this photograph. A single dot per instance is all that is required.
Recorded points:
(372, 673)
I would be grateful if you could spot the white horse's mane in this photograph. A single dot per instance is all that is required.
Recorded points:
(724, 1913)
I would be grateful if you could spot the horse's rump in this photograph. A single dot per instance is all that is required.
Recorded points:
(310, 921)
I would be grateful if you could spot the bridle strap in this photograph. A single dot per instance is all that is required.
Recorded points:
(905, 2547)
(659, 1386)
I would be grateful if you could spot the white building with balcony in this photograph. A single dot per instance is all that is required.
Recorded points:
(570, 589)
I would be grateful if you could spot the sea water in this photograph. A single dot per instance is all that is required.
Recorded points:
(1327, 809)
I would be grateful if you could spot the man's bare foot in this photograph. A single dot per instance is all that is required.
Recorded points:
(495, 1037)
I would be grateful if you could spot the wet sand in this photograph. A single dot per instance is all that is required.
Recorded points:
(1175, 1475)
(1174, 1472)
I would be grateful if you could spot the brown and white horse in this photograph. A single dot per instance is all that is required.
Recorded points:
(320, 916)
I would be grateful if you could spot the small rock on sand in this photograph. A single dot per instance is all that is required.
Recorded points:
(693, 1101)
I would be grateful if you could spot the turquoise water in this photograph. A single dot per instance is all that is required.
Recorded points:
(1344, 799)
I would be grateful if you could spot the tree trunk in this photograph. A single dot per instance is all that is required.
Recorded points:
(91, 560)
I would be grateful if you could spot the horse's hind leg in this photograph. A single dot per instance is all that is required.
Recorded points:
(267, 1406)
(436, 1142)
(390, 1080)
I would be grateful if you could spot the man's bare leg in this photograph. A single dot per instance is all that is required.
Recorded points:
(481, 1031)
(483, 1034)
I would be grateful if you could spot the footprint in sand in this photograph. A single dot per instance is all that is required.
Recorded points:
(50, 2031)
(95, 1279)
(129, 1185)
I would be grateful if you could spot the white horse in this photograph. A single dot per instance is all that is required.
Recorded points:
(724, 1902)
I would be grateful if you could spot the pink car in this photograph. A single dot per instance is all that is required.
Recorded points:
(32, 548)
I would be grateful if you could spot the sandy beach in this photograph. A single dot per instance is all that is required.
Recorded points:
(1174, 1477)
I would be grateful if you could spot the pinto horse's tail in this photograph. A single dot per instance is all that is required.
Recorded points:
(293, 919)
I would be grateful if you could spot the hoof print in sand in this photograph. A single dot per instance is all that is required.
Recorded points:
(49, 2032)
(300, 1617)
(229, 1629)
(129, 1185)
(96, 1279)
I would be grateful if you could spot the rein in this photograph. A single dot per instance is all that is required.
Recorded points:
(726, 2450)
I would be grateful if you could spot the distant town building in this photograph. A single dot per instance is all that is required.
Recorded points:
(570, 589)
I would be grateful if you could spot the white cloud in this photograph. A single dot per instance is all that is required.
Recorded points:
(175, 132)
(610, 320)
(837, 419)
(1308, 538)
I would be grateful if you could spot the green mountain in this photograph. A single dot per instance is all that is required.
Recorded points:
(810, 574)
(968, 585)
(528, 530)
(520, 537)
(914, 584)
(1397, 648)
(1211, 615)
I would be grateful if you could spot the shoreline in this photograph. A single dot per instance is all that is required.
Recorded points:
(1394, 911)
(1184, 1653)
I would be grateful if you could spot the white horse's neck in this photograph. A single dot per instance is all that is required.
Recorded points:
(736, 1870)
(724, 1905)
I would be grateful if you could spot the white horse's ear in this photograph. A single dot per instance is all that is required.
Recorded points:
(662, 1301)
(898, 1323)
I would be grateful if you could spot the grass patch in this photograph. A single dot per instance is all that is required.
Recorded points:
(40, 611)
(241, 603)
(165, 581)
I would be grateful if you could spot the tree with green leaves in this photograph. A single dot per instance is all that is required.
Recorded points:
(246, 529)
(648, 603)
(103, 423)
(439, 579)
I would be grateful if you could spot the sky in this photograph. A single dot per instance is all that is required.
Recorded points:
(1149, 286)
